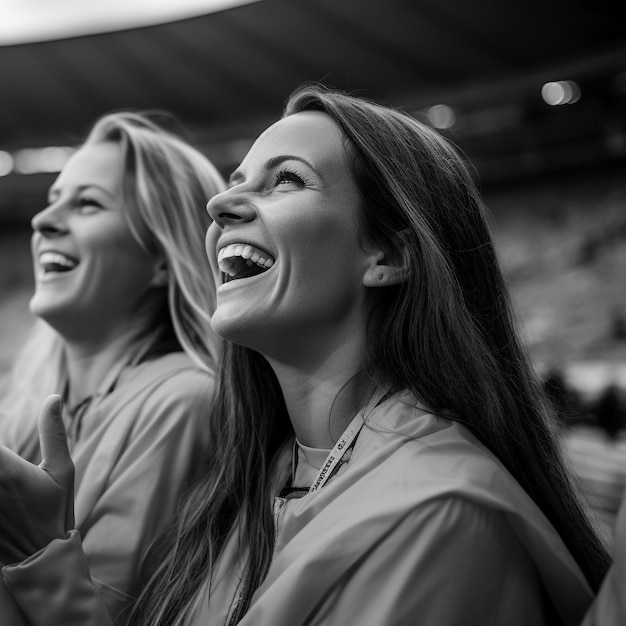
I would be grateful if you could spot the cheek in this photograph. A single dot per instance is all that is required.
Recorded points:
(113, 239)
(315, 229)
(120, 258)
(326, 244)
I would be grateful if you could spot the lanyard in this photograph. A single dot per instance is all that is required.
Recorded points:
(336, 454)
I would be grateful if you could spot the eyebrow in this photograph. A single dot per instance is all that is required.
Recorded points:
(81, 188)
(274, 162)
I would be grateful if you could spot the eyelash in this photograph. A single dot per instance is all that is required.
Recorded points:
(290, 177)
(86, 201)
(80, 204)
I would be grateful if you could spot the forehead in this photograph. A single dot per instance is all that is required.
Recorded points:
(99, 164)
(312, 135)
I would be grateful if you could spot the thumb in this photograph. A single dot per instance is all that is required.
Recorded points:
(55, 456)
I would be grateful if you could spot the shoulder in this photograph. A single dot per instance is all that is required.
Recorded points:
(163, 389)
(418, 456)
(174, 373)
(454, 524)
(402, 433)
(168, 364)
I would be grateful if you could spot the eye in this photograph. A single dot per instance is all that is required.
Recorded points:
(285, 177)
(87, 204)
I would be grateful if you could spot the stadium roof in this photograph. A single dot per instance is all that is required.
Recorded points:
(226, 75)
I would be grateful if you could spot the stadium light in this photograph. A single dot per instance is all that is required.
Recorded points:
(28, 21)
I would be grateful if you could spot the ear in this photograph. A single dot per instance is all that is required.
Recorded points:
(385, 271)
(161, 274)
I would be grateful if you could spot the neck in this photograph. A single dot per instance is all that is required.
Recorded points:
(322, 399)
(89, 362)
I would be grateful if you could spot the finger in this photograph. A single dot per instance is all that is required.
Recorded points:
(55, 455)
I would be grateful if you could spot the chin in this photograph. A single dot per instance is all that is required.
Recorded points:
(37, 307)
(51, 312)
(242, 330)
(228, 327)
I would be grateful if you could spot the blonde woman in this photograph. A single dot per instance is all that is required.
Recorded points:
(124, 298)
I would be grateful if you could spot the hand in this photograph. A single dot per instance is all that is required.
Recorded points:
(37, 502)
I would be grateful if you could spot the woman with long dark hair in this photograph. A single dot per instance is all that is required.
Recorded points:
(380, 450)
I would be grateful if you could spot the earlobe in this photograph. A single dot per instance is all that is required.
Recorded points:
(161, 275)
(385, 272)
(385, 276)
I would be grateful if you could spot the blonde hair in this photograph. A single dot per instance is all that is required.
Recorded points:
(166, 186)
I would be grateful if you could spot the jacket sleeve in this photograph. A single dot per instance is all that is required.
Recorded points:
(52, 587)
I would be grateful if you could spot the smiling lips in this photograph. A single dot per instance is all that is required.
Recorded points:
(56, 262)
(242, 260)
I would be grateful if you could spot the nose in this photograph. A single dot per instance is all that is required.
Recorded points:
(231, 207)
(50, 222)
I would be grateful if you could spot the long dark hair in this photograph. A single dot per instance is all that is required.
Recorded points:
(446, 333)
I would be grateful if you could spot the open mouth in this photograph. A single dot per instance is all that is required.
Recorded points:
(241, 260)
(56, 262)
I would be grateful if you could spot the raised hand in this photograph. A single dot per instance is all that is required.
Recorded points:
(37, 501)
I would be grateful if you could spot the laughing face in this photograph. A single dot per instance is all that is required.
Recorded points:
(286, 245)
(91, 274)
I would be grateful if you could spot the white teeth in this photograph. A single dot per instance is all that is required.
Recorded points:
(250, 254)
(51, 261)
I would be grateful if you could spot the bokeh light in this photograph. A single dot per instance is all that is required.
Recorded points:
(560, 92)
(38, 160)
(441, 116)
(6, 163)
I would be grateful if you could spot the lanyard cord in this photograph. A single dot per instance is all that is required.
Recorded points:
(336, 454)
